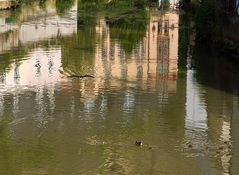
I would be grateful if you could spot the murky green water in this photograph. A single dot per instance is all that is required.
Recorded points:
(186, 117)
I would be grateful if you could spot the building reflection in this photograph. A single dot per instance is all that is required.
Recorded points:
(196, 108)
(33, 24)
(154, 58)
(37, 64)
(32, 27)
(151, 68)
(153, 61)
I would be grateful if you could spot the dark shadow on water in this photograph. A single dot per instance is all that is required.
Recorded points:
(208, 40)
(216, 70)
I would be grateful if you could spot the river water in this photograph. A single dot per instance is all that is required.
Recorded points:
(149, 85)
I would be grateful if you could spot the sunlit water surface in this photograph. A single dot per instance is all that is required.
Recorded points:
(55, 124)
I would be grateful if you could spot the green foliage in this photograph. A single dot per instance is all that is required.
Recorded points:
(183, 46)
(139, 4)
(78, 51)
(42, 4)
(127, 36)
(127, 19)
(129, 29)
(213, 24)
(62, 6)
(205, 20)
(26, 1)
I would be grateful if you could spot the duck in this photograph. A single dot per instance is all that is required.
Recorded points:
(138, 143)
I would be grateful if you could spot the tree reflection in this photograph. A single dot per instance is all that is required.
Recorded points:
(62, 6)
(87, 13)
(128, 33)
(7, 58)
(183, 46)
(78, 51)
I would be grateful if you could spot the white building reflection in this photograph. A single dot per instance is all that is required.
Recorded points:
(42, 73)
(35, 24)
(196, 108)
(208, 127)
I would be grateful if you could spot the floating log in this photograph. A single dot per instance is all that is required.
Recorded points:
(81, 76)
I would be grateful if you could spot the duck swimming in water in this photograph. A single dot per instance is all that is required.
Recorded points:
(138, 143)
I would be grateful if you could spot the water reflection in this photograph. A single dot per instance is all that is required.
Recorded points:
(43, 73)
(32, 24)
(155, 55)
(196, 118)
(208, 118)
(52, 123)
(208, 126)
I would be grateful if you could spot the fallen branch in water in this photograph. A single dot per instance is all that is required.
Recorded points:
(71, 75)
(81, 76)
